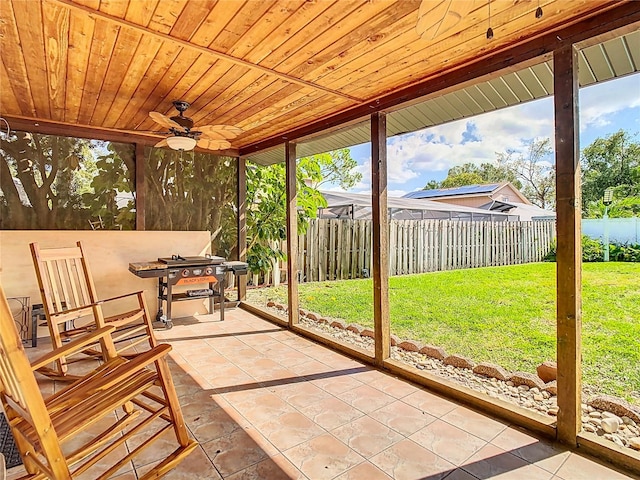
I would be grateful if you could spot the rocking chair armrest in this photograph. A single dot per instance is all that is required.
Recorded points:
(95, 304)
(72, 347)
(118, 297)
(111, 373)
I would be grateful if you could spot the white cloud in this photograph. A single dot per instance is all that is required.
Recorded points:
(414, 158)
(396, 193)
(442, 147)
(599, 102)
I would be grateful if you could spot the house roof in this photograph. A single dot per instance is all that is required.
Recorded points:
(455, 191)
(279, 69)
(524, 211)
(358, 205)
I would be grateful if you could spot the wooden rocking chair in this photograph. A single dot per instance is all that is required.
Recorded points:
(55, 434)
(69, 294)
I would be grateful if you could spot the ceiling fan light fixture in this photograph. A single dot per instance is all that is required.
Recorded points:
(181, 143)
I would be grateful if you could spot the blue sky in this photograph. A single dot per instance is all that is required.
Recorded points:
(418, 157)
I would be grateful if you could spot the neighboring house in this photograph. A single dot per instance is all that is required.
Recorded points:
(473, 195)
(358, 206)
(499, 197)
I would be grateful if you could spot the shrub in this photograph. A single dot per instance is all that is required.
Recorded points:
(624, 252)
(593, 251)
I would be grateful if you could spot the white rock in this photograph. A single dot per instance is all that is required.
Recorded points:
(611, 415)
(634, 443)
(595, 414)
(617, 441)
(610, 425)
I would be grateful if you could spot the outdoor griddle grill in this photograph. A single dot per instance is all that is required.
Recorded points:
(191, 272)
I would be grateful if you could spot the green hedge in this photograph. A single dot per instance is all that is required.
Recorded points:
(593, 251)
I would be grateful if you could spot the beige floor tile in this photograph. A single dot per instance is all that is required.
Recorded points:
(364, 471)
(430, 403)
(263, 408)
(300, 394)
(394, 386)
(336, 383)
(368, 375)
(196, 466)
(212, 424)
(331, 413)
(366, 398)
(273, 468)
(245, 370)
(448, 442)
(577, 467)
(285, 355)
(367, 436)
(160, 449)
(493, 462)
(474, 423)
(229, 378)
(128, 476)
(274, 375)
(313, 368)
(323, 457)
(238, 450)
(459, 474)
(408, 461)
(289, 429)
(543, 454)
(403, 418)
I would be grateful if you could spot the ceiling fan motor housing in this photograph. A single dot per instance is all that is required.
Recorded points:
(181, 120)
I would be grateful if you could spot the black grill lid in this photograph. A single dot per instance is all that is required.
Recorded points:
(177, 260)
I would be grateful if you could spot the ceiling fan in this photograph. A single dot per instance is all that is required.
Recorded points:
(184, 137)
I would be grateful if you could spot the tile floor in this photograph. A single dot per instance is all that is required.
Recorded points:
(265, 403)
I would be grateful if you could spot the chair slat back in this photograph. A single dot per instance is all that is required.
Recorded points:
(21, 398)
(15, 369)
(63, 278)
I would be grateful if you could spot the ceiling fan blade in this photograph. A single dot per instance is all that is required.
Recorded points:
(220, 132)
(213, 144)
(164, 120)
(161, 143)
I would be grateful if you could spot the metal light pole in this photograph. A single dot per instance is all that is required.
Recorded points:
(607, 199)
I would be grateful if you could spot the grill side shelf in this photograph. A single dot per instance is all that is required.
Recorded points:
(148, 269)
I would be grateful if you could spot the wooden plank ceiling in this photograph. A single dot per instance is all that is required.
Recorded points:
(266, 66)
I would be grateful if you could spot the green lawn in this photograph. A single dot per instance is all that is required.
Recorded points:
(504, 315)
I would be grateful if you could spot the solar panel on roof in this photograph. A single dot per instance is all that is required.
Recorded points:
(449, 192)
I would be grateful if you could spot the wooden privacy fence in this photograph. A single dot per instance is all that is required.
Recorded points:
(336, 249)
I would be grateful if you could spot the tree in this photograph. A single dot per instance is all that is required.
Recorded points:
(461, 179)
(610, 162)
(266, 202)
(51, 182)
(473, 174)
(336, 167)
(536, 170)
(192, 191)
(432, 185)
(619, 208)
